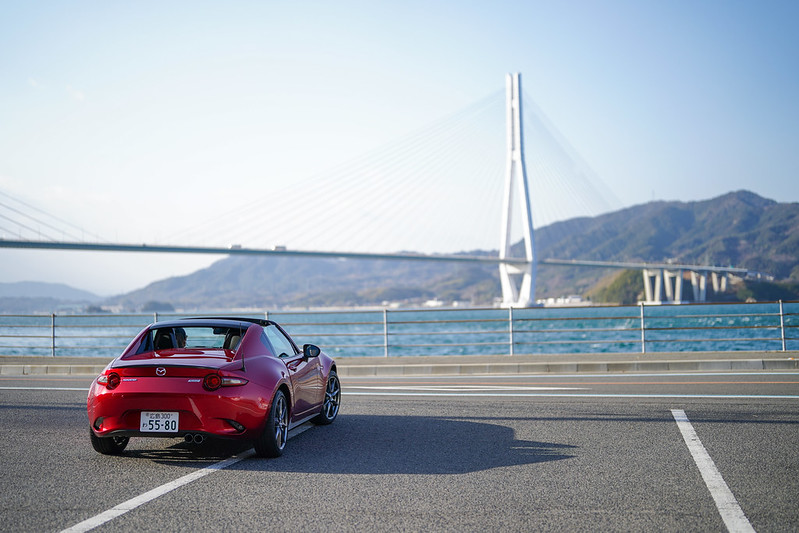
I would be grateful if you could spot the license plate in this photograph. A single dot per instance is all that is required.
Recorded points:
(159, 422)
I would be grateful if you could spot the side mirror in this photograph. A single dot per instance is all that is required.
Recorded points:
(310, 350)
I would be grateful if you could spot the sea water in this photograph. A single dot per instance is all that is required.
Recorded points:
(451, 331)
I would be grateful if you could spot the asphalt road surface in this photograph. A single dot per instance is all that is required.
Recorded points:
(500, 453)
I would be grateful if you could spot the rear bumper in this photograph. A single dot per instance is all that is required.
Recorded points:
(229, 412)
(178, 435)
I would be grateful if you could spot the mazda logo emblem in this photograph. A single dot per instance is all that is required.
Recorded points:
(160, 371)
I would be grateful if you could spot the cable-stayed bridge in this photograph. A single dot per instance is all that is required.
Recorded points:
(409, 186)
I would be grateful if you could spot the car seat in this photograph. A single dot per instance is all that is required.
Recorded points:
(163, 340)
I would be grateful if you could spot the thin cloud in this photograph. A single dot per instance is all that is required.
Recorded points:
(75, 94)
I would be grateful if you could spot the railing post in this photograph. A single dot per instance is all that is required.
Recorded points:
(385, 332)
(643, 329)
(155, 316)
(510, 330)
(52, 334)
(782, 326)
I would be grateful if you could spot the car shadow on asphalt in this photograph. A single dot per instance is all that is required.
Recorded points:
(372, 444)
(182, 453)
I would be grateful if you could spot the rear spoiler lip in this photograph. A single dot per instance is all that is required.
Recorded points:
(218, 364)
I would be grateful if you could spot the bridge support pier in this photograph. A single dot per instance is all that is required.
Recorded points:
(651, 296)
(719, 282)
(658, 281)
(699, 285)
(668, 281)
(673, 284)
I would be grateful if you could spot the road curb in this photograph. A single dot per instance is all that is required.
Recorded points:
(62, 370)
(346, 369)
(566, 368)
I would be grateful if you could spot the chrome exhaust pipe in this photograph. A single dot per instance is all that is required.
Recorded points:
(188, 437)
(198, 438)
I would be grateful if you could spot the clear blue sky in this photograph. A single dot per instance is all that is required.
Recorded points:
(116, 116)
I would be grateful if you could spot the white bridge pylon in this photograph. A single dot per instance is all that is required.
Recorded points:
(518, 280)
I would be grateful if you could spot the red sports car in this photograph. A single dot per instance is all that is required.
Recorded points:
(236, 378)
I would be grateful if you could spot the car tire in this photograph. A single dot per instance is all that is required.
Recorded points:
(108, 445)
(332, 401)
(272, 441)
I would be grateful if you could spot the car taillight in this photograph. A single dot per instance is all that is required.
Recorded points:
(212, 382)
(112, 381)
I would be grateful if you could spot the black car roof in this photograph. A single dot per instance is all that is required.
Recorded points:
(212, 321)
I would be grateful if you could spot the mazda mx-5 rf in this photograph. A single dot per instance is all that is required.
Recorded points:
(236, 378)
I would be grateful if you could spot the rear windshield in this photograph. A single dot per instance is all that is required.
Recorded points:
(191, 337)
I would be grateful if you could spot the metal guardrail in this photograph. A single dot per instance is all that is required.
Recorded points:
(771, 326)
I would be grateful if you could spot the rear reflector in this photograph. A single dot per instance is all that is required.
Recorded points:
(113, 381)
(238, 427)
(212, 382)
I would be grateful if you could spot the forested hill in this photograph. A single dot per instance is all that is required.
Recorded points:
(739, 229)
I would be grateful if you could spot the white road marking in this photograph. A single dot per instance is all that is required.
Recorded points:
(76, 389)
(466, 388)
(630, 374)
(133, 503)
(573, 375)
(390, 391)
(148, 496)
(732, 514)
(574, 395)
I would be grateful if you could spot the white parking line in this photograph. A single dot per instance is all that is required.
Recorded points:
(148, 496)
(133, 503)
(732, 514)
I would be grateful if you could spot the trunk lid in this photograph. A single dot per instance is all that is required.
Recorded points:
(148, 362)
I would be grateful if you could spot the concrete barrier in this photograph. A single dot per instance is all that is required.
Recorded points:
(473, 365)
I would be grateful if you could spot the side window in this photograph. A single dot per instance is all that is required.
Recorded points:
(281, 344)
(146, 344)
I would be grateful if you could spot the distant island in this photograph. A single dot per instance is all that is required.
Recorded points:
(37, 297)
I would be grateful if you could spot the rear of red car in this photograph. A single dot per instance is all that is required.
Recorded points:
(182, 380)
(176, 398)
(212, 377)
